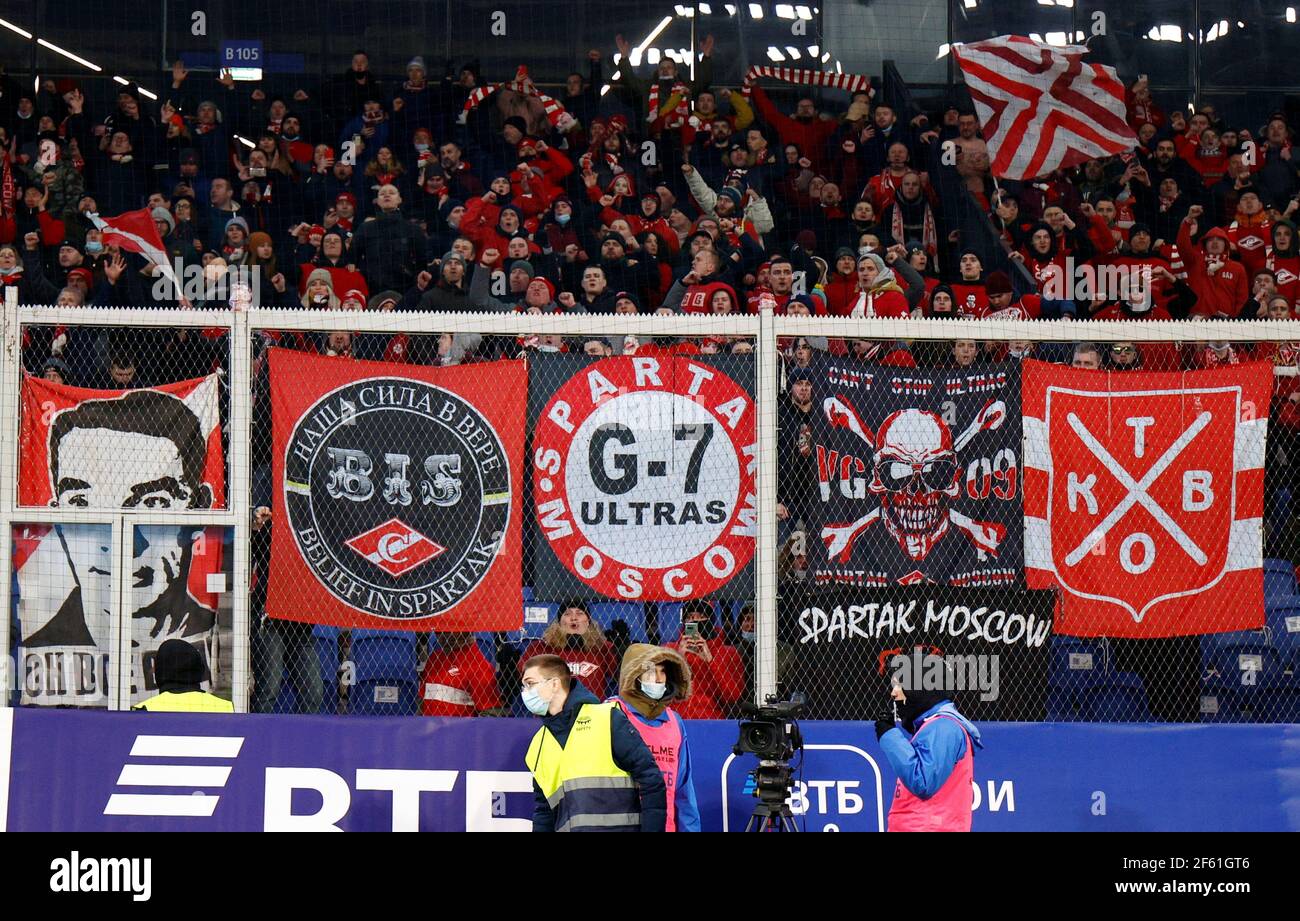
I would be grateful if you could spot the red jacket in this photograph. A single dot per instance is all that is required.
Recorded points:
(1251, 239)
(1287, 270)
(458, 683)
(595, 669)
(715, 686)
(1219, 293)
(811, 136)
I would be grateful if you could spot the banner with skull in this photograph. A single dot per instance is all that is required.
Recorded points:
(917, 476)
(397, 494)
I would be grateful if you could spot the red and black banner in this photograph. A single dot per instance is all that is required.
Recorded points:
(1144, 497)
(397, 494)
(643, 476)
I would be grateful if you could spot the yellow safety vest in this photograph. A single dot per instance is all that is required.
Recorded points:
(186, 702)
(581, 783)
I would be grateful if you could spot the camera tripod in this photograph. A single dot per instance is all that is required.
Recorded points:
(771, 817)
(772, 787)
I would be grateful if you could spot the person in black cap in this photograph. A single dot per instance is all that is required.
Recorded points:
(179, 671)
(797, 477)
(931, 748)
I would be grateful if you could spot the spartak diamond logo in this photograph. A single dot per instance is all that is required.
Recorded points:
(395, 547)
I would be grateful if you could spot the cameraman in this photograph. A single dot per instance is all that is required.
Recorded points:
(935, 766)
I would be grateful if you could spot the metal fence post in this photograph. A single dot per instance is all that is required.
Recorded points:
(765, 610)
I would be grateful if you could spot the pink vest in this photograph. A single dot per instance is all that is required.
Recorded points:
(950, 808)
(665, 743)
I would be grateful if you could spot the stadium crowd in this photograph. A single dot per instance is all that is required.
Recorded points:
(667, 194)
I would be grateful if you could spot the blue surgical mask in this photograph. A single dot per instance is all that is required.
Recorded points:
(655, 690)
(533, 701)
(93, 246)
(421, 148)
(747, 636)
(562, 219)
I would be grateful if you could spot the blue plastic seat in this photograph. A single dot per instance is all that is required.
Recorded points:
(327, 652)
(1117, 697)
(1283, 620)
(631, 613)
(383, 654)
(1273, 697)
(1074, 666)
(538, 615)
(384, 697)
(1279, 579)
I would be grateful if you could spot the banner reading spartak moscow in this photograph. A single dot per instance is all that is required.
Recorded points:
(397, 498)
(1144, 497)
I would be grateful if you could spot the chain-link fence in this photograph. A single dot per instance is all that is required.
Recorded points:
(1048, 528)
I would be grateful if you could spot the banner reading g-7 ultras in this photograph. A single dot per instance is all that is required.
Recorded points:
(916, 476)
(643, 475)
(397, 499)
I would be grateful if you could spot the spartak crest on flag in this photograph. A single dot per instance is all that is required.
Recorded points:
(1042, 108)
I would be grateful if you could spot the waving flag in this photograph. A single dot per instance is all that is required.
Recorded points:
(1041, 107)
(135, 232)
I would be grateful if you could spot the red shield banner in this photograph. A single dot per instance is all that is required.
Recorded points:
(1144, 498)
(397, 494)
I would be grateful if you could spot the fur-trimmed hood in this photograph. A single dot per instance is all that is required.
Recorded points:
(637, 659)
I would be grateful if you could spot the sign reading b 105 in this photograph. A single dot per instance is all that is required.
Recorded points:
(241, 53)
(643, 476)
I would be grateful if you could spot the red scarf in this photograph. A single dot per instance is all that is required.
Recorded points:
(8, 187)
(677, 117)
(929, 235)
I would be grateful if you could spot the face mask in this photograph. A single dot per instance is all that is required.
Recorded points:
(562, 219)
(421, 148)
(747, 635)
(533, 701)
(655, 690)
(93, 246)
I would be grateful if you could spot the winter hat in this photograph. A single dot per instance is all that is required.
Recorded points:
(452, 256)
(845, 251)
(325, 276)
(884, 274)
(378, 301)
(807, 300)
(733, 194)
(550, 286)
(178, 667)
(258, 239)
(516, 122)
(235, 221)
(83, 273)
(416, 62)
(945, 289)
(1138, 227)
(806, 240)
(524, 266)
(57, 364)
(997, 283)
(628, 296)
(348, 196)
(355, 294)
(447, 206)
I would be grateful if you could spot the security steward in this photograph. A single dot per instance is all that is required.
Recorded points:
(179, 670)
(591, 769)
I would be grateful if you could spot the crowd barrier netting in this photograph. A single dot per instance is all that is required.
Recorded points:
(345, 534)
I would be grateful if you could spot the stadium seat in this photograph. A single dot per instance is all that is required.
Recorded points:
(327, 651)
(1227, 654)
(537, 617)
(1279, 579)
(1074, 666)
(632, 613)
(1272, 698)
(383, 653)
(385, 697)
(1116, 697)
(1283, 619)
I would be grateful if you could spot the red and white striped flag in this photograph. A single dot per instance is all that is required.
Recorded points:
(1041, 107)
(135, 232)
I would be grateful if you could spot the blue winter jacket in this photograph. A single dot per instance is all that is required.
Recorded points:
(925, 761)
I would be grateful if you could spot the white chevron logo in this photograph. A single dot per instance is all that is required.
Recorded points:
(196, 803)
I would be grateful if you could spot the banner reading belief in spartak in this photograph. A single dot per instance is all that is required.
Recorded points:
(152, 449)
(917, 476)
(643, 476)
(397, 498)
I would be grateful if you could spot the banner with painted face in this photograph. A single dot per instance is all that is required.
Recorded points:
(988, 647)
(916, 474)
(1144, 497)
(397, 493)
(151, 449)
(643, 476)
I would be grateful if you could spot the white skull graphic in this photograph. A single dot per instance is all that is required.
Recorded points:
(915, 474)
